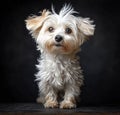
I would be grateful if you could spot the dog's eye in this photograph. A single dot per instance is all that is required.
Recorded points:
(50, 29)
(68, 31)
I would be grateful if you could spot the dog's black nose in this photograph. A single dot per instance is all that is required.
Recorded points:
(58, 38)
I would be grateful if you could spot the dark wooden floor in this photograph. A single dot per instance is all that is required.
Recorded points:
(38, 109)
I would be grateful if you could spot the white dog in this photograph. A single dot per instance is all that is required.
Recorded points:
(59, 37)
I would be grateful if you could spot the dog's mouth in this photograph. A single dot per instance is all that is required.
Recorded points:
(58, 45)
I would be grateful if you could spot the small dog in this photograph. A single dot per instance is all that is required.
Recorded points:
(59, 37)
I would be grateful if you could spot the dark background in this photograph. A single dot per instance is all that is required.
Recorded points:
(100, 56)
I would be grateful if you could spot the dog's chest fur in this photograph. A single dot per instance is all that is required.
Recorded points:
(58, 70)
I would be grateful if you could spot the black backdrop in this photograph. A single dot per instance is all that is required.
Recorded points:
(100, 57)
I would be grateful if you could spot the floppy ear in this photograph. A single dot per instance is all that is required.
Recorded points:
(34, 23)
(85, 26)
(85, 29)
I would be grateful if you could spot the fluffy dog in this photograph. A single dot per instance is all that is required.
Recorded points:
(59, 37)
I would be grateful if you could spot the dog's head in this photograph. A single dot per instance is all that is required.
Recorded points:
(61, 33)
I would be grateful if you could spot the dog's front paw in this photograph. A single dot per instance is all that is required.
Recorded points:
(67, 105)
(51, 104)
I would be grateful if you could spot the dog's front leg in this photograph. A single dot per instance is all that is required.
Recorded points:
(51, 99)
(70, 97)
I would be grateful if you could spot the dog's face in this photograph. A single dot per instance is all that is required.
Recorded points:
(61, 33)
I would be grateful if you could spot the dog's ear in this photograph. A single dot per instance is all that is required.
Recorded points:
(85, 26)
(85, 29)
(34, 23)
